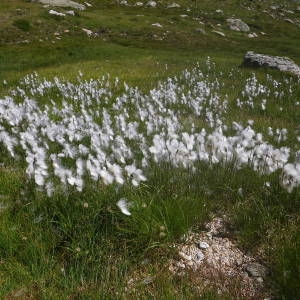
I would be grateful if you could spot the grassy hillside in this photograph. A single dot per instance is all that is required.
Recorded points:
(198, 137)
(125, 34)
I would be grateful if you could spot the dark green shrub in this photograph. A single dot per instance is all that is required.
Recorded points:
(22, 24)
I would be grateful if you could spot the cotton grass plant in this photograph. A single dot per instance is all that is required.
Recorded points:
(70, 131)
(109, 176)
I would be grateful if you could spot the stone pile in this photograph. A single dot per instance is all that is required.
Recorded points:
(215, 260)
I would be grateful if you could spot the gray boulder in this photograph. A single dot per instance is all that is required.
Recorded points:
(173, 5)
(284, 64)
(151, 4)
(238, 25)
(63, 3)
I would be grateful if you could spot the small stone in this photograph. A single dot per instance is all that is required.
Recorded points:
(288, 11)
(289, 21)
(256, 270)
(173, 5)
(87, 31)
(259, 279)
(157, 25)
(148, 280)
(252, 35)
(203, 245)
(239, 261)
(184, 256)
(199, 256)
(56, 13)
(200, 30)
(180, 265)
(70, 12)
(190, 263)
(219, 33)
(209, 235)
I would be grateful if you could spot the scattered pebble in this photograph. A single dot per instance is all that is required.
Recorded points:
(184, 256)
(199, 256)
(70, 12)
(173, 5)
(148, 280)
(289, 21)
(87, 31)
(220, 261)
(219, 33)
(252, 35)
(157, 25)
(56, 13)
(203, 245)
(200, 30)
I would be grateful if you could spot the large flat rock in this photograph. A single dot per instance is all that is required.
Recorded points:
(284, 64)
(63, 3)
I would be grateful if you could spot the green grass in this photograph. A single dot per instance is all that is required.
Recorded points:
(56, 248)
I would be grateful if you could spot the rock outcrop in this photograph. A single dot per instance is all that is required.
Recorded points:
(238, 25)
(284, 64)
(62, 3)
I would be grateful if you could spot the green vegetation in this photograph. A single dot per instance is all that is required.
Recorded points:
(78, 245)
(22, 24)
